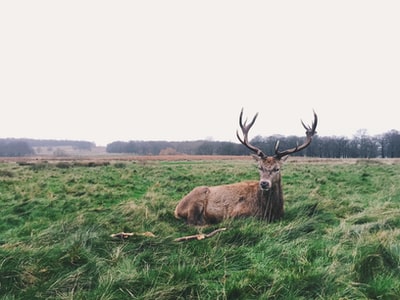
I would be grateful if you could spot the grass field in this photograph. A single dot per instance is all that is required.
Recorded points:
(340, 238)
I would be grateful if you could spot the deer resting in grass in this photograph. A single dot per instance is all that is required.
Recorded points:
(262, 199)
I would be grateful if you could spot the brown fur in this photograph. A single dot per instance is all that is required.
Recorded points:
(205, 205)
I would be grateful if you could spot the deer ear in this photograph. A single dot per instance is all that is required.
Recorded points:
(256, 157)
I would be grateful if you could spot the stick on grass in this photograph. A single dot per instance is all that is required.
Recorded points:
(200, 236)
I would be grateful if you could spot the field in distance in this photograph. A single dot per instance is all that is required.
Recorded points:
(339, 239)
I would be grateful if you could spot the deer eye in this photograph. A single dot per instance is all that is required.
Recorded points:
(276, 169)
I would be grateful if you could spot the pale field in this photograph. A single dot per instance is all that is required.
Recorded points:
(115, 158)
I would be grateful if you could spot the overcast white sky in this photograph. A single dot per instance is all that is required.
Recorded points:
(181, 70)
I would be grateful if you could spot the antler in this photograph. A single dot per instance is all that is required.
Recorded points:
(310, 131)
(245, 130)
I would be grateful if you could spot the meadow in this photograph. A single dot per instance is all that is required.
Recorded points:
(339, 239)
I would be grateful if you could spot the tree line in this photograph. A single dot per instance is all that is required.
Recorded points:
(25, 147)
(200, 147)
(361, 145)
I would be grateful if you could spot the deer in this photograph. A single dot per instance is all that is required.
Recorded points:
(262, 199)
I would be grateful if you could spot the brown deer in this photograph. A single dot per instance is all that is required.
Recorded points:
(262, 199)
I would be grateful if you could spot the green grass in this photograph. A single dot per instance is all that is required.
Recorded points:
(340, 238)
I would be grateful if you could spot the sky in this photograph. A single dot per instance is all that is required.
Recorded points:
(105, 71)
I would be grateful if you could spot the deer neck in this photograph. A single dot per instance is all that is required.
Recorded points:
(271, 203)
(273, 194)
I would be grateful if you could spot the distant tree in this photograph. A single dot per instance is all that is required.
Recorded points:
(207, 148)
(116, 147)
(15, 148)
(83, 145)
(391, 144)
(366, 145)
(60, 153)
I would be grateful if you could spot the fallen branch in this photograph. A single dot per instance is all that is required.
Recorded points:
(125, 235)
(200, 236)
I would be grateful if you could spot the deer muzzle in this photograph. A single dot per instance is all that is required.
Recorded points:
(265, 185)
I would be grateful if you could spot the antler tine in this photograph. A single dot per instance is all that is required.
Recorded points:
(310, 132)
(311, 129)
(277, 145)
(245, 130)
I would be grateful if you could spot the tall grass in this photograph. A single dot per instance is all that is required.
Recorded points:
(340, 238)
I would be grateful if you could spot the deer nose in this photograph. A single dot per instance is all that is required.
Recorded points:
(265, 184)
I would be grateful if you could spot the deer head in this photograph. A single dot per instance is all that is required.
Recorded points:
(269, 166)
